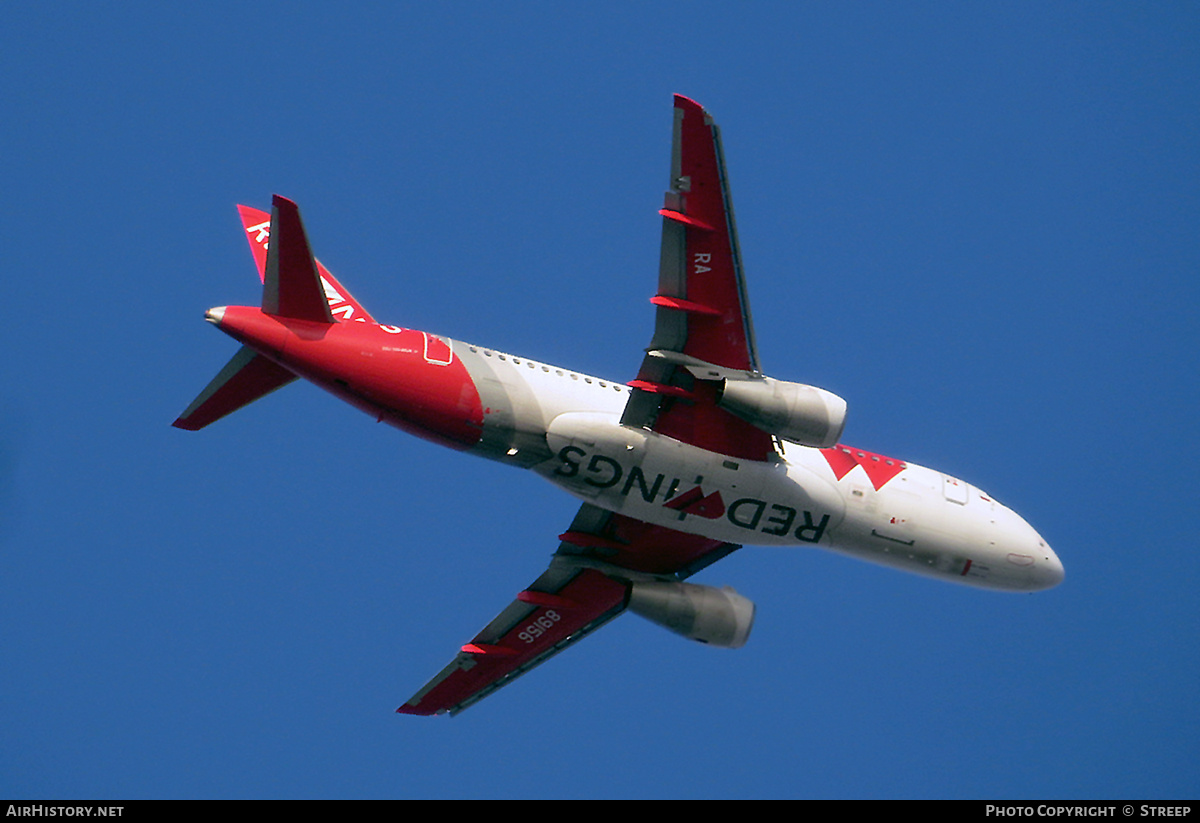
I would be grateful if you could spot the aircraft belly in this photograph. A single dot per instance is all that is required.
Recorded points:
(910, 523)
(659, 480)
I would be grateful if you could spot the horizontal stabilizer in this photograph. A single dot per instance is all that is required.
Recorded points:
(291, 286)
(245, 378)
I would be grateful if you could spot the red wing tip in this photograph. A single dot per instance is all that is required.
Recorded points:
(686, 102)
(280, 200)
(407, 709)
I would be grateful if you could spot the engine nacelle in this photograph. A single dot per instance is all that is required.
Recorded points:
(721, 617)
(796, 412)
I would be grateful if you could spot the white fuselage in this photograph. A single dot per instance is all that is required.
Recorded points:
(566, 427)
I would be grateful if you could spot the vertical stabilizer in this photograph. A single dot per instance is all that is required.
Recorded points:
(342, 305)
(291, 286)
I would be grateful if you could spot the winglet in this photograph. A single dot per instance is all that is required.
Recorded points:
(291, 286)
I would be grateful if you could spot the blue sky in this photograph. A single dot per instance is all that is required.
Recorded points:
(975, 222)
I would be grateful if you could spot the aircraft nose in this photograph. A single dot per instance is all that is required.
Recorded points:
(1030, 562)
(1048, 570)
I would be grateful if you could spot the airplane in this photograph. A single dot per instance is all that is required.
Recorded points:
(698, 455)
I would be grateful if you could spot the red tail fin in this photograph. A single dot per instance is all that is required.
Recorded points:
(291, 286)
(295, 286)
(342, 304)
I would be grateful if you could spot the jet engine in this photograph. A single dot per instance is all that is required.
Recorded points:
(721, 617)
(796, 412)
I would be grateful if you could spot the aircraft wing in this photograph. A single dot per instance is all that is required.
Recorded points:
(588, 584)
(703, 331)
(702, 335)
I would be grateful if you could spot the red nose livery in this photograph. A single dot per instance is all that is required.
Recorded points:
(697, 455)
